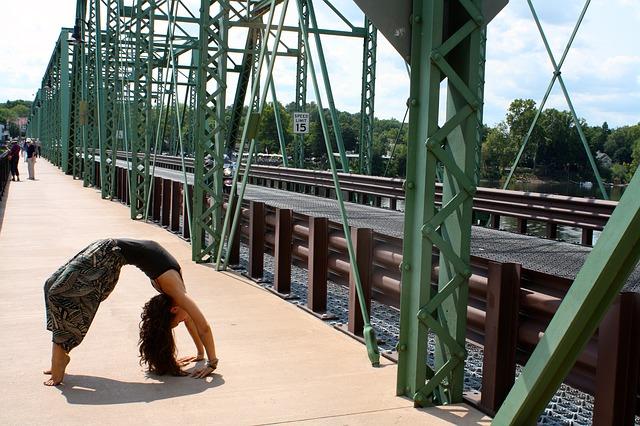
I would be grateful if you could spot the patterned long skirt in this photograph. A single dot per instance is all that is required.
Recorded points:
(74, 292)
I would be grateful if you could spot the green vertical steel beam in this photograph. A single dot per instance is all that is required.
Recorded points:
(107, 168)
(458, 56)
(367, 104)
(427, 24)
(88, 111)
(600, 279)
(301, 82)
(65, 89)
(211, 129)
(112, 94)
(142, 132)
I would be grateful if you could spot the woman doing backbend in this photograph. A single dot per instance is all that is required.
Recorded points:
(74, 292)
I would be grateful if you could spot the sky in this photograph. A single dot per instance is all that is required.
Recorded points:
(601, 71)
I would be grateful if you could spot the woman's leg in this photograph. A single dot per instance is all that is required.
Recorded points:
(72, 296)
(59, 360)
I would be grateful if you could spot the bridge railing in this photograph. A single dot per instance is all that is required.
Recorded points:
(509, 306)
(553, 210)
(4, 172)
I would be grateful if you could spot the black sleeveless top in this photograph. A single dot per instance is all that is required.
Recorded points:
(149, 256)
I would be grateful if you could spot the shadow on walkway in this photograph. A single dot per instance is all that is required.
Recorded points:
(91, 390)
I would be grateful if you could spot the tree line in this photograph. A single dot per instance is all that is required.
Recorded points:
(554, 150)
(10, 111)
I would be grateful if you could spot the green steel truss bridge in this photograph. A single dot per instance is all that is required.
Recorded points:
(145, 76)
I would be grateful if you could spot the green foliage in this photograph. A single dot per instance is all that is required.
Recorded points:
(554, 149)
(11, 111)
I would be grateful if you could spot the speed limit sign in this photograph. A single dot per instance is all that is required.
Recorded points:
(300, 122)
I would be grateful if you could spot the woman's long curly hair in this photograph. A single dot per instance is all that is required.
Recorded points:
(157, 346)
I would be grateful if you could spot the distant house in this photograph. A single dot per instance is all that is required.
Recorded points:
(22, 122)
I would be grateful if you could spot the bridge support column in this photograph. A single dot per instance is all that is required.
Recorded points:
(447, 41)
(156, 201)
(317, 264)
(256, 240)
(617, 369)
(176, 205)
(166, 202)
(363, 245)
(500, 334)
(186, 231)
(282, 251)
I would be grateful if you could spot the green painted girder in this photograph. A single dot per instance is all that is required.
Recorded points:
(457, 56)
(367, 104)
(301, 81)
(142, 122)
(211, 129)
(357, 32)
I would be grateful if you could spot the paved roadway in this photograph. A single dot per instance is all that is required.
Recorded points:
(277, 363)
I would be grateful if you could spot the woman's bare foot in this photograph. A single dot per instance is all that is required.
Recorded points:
(59, 361)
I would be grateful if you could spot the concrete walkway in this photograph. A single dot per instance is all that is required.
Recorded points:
(277, 363)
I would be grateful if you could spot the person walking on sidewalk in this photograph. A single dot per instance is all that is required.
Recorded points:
(31, 159)
(74, 292)
(14, 158)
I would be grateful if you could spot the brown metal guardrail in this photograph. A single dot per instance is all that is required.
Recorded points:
(4, 172)
(553, 210)
(509, 306)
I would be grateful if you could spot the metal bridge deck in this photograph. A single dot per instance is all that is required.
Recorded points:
(538, 254)
(277, 363)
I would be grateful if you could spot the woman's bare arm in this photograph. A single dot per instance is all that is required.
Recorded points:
(172, 285)
(193, 332)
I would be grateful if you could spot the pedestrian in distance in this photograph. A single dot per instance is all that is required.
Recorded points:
(74, 292)
(31, 159)
(14, 158)
(24, 150)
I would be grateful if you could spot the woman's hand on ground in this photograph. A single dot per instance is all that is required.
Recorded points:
(203, 372)
(185, 360)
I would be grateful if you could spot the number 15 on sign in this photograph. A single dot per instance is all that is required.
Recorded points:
(300, 122)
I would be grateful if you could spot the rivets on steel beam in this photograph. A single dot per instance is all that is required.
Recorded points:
(436, 56)
(466, 274)
(427, 230)
(413, 102)
(417, 19)
(431, 143)
(410, 185)
(405, 266)
(423, 315)
(401, 347)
